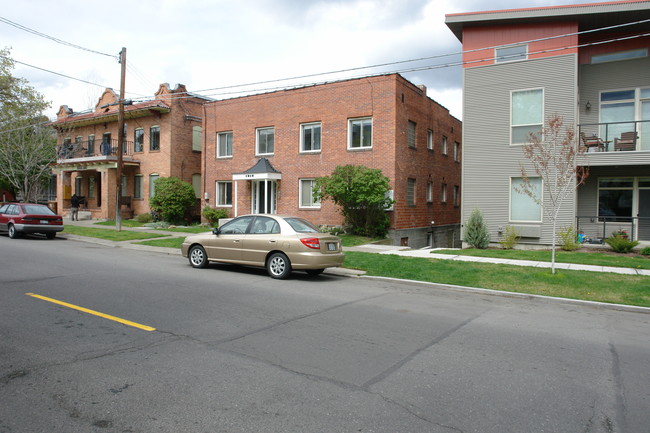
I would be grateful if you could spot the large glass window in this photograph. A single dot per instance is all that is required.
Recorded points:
(224, 193)
(265, 141)
(527, 114)
(360, 133)
(310, 137)
(615, 198)
(522, 206)
(307, 194)
(154, 138)
(619, 109)
(511, 54)
(224, 144)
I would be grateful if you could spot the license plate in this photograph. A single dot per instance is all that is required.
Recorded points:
(45, 222)
(331, 247)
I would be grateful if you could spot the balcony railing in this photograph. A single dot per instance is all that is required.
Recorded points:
(89, 149)
(616, 136)
(598, 228)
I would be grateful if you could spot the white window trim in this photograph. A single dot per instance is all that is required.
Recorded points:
(445, 143)
(300, 205)
(527, 124)
(541, 206)
(151, 183)
(443, 193)
(496, 53)
(257, 140)
(231, 143)
(430, 191)
(302, 135)
(372, 137)
(430, 139)
(159, 138)
(217, 196)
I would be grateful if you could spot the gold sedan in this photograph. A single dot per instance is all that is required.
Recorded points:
(278, 243)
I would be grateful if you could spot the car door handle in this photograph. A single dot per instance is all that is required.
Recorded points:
(236, 241)
(272, 241)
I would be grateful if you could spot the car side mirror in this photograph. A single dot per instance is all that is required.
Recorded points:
(216, 231)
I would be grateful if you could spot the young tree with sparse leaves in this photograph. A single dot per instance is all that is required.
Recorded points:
(554, 155)
(27, 142)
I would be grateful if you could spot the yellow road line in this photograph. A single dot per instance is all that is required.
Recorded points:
(96, 313)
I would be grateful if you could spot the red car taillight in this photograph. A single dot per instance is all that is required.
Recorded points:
(311, 243)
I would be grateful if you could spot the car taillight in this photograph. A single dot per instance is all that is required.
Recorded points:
(311, 243)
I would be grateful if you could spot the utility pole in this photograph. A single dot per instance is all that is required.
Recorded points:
(120, 142)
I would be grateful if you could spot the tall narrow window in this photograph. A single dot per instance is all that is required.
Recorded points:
(197, 133)
(456, 195)
(444, 145)
(411, 133)
(410, 192)
(456, 151)
(196, 184)
(152, 184)
(310, 137)
(360, 133)
(137, 186)
(429, 191)
(91, 145)
(430, 139)
(154, 138)
(124, 185)
(91, 187)
(265, 141)
(443, 193)
(138, 140)
(107, 144)
(307, 194)
(522, 206)
(224, 144)
(224, 193)
(527, 115)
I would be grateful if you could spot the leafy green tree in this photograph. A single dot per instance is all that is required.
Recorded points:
(361, 194)
(476, 232)
(172, 198)
(27, 143)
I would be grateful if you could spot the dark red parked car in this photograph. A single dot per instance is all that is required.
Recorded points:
(22, 218)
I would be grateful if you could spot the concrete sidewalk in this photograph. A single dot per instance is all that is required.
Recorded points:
(370, 248)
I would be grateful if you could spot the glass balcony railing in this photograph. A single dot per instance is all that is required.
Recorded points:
(616, 136)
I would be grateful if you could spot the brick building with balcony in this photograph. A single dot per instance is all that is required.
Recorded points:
(588, 63)
(162, 138)
(263, 152)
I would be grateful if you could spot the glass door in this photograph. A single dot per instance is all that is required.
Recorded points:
(644, 127)
(264, 196)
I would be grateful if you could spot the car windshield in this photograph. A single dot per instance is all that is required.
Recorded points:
(301, 226)
(37, 209)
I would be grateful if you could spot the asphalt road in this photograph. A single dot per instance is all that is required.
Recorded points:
(235, 351)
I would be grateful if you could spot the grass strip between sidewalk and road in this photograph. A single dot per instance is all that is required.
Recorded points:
(584, 285)
(110, 235)
(596, 258)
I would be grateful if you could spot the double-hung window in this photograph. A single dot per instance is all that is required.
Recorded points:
(310, 137)
(527, 114)
(429, 192)
(265, 141)
(412, 126)
(138, 140)
(224, 193)
(154, 138)
(410, 192)
(307, 194)
(444, 145)
(224, 144)
(523, 207)
(360, 133)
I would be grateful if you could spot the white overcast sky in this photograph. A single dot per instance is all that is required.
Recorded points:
(216, 44)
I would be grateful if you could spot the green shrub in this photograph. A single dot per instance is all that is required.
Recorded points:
(476, 231)
(213, 215)
(143, 218)
(646, 251)
(621, 244)
(568, 239)
(509, 238)
(172, 198)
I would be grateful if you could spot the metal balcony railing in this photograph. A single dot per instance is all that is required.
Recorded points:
(598, 228)
(88, 149)
(616, 136)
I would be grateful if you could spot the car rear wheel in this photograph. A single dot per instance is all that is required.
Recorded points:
(314, 272)
(13, 233)
(198, 257)
(278, 266)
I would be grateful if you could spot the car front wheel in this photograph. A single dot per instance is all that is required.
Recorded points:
(278, 266)
(198, 257)
(13, 234)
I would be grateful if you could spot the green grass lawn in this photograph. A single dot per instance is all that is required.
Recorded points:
(592, 286)
(172, 242)
(354, 240)
(110, 235)
(134, 223)
(125, 223)
(597, 258)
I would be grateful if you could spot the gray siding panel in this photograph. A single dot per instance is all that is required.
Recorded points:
(488, 158)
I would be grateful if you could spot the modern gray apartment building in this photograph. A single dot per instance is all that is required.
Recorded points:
(588, 63)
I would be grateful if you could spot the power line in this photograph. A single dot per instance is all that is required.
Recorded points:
(59, 41)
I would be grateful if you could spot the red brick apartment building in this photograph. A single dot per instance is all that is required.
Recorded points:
(162, 139)
(262, 153)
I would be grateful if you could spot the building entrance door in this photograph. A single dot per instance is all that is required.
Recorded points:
(264, 196)
(644, 215)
